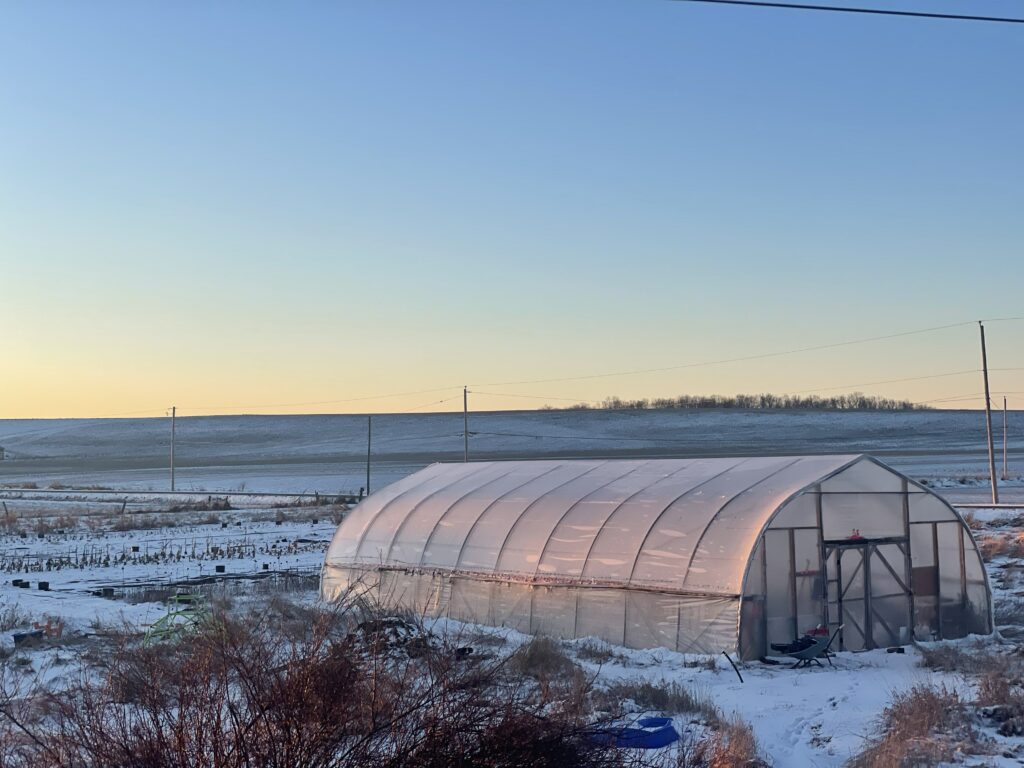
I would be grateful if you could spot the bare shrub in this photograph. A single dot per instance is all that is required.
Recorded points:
(241, 693)
(291, 619)
(925, 725)
(13, 616)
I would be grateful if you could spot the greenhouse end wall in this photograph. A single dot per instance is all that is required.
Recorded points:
(630, 617)
(872, 557)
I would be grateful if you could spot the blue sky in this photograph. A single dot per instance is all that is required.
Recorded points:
(239, 204)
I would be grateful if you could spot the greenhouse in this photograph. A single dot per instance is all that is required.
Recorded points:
(696, 555)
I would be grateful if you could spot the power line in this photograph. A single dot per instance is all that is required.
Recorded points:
(156, 411)
(580, 400)
(530, 397)
(885, 381)
(427, 405)
(706, 363)
(322, 402)
(953, 398)
(165, 411)
(872, 11)
(761, 356)
(683, 366)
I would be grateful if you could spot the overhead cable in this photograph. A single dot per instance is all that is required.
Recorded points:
(857, 9)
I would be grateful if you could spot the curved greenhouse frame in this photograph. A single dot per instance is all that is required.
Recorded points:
(696, 555)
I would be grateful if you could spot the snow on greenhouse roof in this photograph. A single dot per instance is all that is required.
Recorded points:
(685, 525)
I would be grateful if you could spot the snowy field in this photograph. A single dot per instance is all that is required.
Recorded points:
(107, 565)
(328, 453)
(106, 570)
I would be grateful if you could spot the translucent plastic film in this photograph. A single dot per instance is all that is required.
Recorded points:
(671, 524)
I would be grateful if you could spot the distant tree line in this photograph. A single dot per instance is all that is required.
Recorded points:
(854, 401)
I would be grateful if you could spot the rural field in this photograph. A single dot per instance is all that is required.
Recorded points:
(90, 577)
(293, 454)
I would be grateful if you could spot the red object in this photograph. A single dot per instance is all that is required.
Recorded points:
(855, 535)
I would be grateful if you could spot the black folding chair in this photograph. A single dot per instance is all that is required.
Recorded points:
(819, 649)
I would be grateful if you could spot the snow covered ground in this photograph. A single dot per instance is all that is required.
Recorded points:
(808, 717)
(100, 577)
(96, 575)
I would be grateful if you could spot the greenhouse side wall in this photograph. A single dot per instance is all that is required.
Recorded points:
(631, 617)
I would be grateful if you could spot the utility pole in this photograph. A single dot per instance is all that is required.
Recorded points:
(1006, 470)
(174, 413)
(369, 438)
(988, 419)
(465, 424)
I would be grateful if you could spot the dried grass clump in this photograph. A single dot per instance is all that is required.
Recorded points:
(1000, 544)
(9, 522)
(598, 653)
(995, 688)
(978, 660)
(732, 745)
(542, 659)
(926, 725)
(945, 658)
(670, 698)
(140, 521)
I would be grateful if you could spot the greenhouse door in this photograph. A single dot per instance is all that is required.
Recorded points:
(868, 593)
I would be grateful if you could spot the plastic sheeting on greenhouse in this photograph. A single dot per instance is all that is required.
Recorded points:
(696, 555)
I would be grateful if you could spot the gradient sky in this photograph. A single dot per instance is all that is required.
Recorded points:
(237, 205)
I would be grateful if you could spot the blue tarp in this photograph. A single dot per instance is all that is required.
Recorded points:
(646, 733)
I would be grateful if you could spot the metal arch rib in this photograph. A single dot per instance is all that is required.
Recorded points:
(430, 536)
(388, 503)
(804, 489)
(490, 504)
(573, 506)
(409, 514)
(668, 506)
(590, 551)
(528, 507)
(696, 547)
